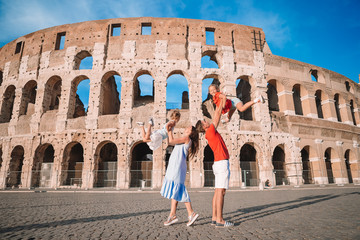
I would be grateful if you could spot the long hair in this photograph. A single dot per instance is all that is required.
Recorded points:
(194, 136)
(199, 127)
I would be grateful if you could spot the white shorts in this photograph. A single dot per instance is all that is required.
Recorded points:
(221, 171)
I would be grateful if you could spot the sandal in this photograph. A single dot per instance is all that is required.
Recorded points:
(192, 218)
(226, 224)
(171, 220)
(213, 222)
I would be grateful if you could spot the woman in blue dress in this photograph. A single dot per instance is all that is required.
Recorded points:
(173, 186)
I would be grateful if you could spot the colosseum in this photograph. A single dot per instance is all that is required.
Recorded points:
(306, 132)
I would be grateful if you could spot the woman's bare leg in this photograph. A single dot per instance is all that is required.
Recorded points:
(173, 207)
(189, 208)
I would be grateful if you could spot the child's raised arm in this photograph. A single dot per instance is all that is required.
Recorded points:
(174, 141)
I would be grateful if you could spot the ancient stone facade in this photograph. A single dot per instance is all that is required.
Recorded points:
(307, 132)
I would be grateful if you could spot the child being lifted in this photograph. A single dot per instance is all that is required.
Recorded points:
(154, 139)
(230, 104)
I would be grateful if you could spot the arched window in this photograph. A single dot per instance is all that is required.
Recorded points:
(278, 161)
(144, 89)
(318, 104)
(297, 99)
(52, 93)
(329, 154)
(348, 157)
(15, 168)
(248, 165)
(352, 111)
(79, 97)
(243, 91)
(177, 92)
(141, 165)
(105, 165)
(72, 164)
(209, 178)
(7, 104)
(110, 94)
(42, 167)
(83, 60)
(28, 98)
(337, 109)
(209, 60)
(272, 96)
(1, 77)
(314, 75)
(307, 173)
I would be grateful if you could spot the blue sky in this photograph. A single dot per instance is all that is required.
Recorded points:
(325, 33)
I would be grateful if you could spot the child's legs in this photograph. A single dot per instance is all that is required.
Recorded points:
(146, 135)
(231, 112)
(244, 107)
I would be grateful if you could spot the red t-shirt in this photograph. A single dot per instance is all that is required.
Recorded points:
(216, 144)
(228, 103)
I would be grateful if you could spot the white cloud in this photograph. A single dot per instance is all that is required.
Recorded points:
(244, 12)
(20, 17)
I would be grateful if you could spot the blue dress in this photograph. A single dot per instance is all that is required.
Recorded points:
(173, 186)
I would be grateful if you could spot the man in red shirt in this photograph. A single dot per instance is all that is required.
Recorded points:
(221, 167)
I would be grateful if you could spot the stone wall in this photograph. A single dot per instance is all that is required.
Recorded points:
(40, 111)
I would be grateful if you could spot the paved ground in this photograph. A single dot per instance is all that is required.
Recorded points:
(318, 213)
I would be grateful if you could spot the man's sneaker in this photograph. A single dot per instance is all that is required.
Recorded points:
(151, 121)
(140, 123)
(226, 224)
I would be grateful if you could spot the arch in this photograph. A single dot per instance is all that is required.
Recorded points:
(248, 165)
(278, 161)
(314, 75)
(209, 60)
(177, 92)
(52, 93)
(106, 156)
(79, 96)
(1, 77)
(349, 157)
(329, 155)
(297, 99)
(208, 161)
(83, 60)
(337, 109)
(7, 104)
(1, 157)
(243, 92)
(15, 169)
(42, 166)
(110, 94)
(72, 165)
(27, 105)
(207, 106)
(352, 112)
(307, 170)
(141, 165)
(144, 88)
(272, 95)
(318, 99)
